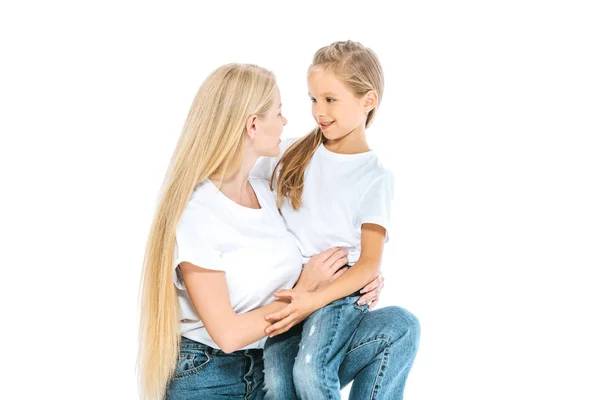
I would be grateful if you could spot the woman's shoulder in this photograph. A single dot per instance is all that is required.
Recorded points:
(201, 201)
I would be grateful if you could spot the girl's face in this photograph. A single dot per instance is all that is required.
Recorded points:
(335, 108)
(269, 128)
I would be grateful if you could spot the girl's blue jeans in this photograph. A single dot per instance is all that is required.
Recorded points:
(342, 343)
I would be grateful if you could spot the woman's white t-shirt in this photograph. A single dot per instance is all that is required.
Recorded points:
(253, 247)
(341, 193)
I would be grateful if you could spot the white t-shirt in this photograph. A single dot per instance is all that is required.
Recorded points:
(253, 247)
(341, 192)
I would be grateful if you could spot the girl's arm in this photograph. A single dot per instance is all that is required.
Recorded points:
(303, 303)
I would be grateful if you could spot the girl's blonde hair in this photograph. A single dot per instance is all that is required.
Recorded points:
(359, 69)
(210, 144)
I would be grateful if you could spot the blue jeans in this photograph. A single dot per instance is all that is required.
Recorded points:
(203, 372)
(341, 343)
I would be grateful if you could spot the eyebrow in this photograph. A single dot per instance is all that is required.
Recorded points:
(325, 94)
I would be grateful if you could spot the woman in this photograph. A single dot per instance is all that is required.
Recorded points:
(218, 248)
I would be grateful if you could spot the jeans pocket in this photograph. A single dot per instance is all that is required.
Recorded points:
(190, 362)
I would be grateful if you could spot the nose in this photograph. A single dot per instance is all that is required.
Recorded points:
(284, 119)
(318, 110)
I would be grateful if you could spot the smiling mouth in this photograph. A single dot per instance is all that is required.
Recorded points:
(325, 125)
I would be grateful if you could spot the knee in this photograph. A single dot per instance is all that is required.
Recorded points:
(406, 327)
(306, 373)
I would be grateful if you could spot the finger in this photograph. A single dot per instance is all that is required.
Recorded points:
(373, 304)
(280, 331)
(278, 316)
(280, 325)
(285, 328)
(339, 273)
(367, 298)
(338, 264)
(324, 255)
(370, 286)
(340, 253)
(362, 300)
(288, 293)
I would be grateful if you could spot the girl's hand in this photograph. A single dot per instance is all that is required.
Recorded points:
(322, 268)
(370, 293)
(301, 305)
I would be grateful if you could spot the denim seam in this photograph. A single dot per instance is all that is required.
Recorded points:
(194, 370)
(246, 357)
(379, 374)
(323, 368)
(377, 339)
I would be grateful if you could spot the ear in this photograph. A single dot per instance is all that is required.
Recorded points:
(370, 100)
(251, 126)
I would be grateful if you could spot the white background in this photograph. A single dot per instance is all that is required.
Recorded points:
(489, 121)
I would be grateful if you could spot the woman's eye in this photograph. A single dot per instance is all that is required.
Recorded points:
(330, 100)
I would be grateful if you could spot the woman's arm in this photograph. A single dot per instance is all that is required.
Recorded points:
(209, 293)
(302, 303)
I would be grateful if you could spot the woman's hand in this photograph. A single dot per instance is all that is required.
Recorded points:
(302, 304)
(370, 293)
(322, 269)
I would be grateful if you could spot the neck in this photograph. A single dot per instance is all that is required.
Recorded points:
(236, 185)
(353, 143)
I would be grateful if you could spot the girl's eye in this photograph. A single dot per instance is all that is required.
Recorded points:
(330, 100)
(313, 100)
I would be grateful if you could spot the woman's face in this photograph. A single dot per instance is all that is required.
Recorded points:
(269, 128)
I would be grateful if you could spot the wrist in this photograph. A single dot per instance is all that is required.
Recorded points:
(304, 286)
(318, 299)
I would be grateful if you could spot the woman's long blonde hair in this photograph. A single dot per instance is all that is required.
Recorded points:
(210, 144)
(359, 69)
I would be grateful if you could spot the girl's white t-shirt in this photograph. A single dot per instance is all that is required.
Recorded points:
(253, 247)
(341, 193)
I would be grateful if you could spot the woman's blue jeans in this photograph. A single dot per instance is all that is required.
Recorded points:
(203, 372)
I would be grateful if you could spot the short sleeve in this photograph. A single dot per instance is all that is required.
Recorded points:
(195, 244)
(376, 204)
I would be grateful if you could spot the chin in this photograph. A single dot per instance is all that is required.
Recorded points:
(330, 136)
(326, 134)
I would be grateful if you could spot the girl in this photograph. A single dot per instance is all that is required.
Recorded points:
(218, 247)
(333, 191)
